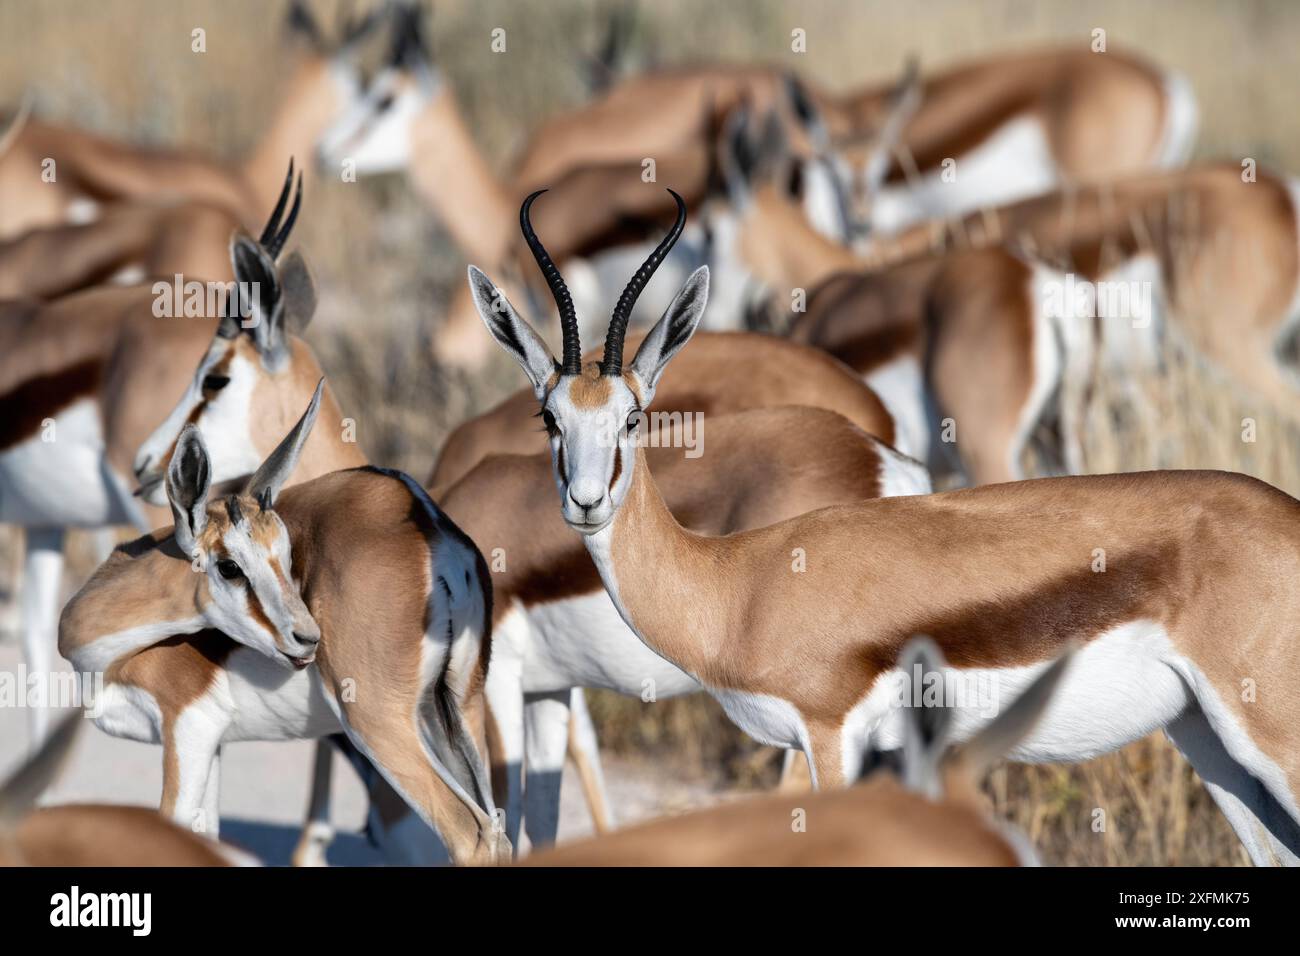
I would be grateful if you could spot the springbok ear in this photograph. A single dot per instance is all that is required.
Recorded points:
(925, 728)
(19, 793)
(189, 476)
(270, 477)
(672, 331)
(1013, 725)
(262, 308)
(513, 333)
(806, 113)
(737, 157)
(298, 293)
(904, 101)
(301, 25)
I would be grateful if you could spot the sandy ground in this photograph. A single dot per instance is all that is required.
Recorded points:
(265, 786)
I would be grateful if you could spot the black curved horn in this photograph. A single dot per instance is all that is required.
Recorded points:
(276, 233)
(613, 361)
(571, 363)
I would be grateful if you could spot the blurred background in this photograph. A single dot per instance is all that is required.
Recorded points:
(385, 270)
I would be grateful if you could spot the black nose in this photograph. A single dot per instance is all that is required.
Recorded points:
(306, 638)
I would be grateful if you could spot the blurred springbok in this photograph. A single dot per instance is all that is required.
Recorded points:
(930, 813)
(91, 834)
(90, 170)
(795, 628)
(79, 384)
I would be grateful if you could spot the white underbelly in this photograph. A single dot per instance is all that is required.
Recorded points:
(901, 387)
(583, 642)
(1119, 687)
(59, 477)
(1015, 162)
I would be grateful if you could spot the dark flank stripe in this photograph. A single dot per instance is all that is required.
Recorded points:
(24, 408)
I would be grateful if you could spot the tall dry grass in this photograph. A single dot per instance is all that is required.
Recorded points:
(386, 268)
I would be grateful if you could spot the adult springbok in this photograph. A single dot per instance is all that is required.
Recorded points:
(89, 170)
(249, 374)
(91, 834)
(930, 813)
(350, 603)
(409, 119)
(1179, 584)
(79, 382)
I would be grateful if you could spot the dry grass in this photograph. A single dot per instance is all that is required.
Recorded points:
(386, 268)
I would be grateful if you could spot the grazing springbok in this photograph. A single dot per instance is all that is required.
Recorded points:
(92, 834)
(928, 814)
(348, 604)
(90, 170)
(79, 385)
(793, 627)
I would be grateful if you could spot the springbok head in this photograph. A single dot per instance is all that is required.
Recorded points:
(845, 176)
(592, 413)
(241, 548)
(375, 135)
(330, 76)
(257, 373)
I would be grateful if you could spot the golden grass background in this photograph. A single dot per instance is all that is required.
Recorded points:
(386, 268)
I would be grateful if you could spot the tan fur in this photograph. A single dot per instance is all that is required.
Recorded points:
(722, 372)
(877, 823)
(361, 556)
(100, 835)
(1012, 595)
(106, 170)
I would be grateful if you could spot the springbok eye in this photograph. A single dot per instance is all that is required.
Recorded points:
(229, 569)
(385, 103)
(548, 420)
(215, 383)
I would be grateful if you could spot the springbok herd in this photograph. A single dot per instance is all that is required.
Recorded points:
(974, 249)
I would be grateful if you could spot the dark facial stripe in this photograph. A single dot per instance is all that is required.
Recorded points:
(618, 467)
(258, 613)
(24, 408)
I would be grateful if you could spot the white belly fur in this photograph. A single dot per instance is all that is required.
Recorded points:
(65, 482)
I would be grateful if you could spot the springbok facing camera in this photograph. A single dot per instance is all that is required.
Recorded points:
(91, 834)
(406, 604)
(930, 814)
(793, 627)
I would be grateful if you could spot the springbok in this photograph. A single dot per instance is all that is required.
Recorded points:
(928, 814)
(74, 409)
(91, 834)
(1016, 301)
(240, 387)
(792, 627)
(204, 635)
(54, 174)
(409, 119)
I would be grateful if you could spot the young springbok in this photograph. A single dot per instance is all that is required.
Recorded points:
(205, 637)
(91, 834)
(792, 627)
(929, 814)
(90, 170)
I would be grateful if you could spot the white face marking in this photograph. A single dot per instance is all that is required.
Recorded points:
(244, 577)
(225, 422)
(375, 134)
(586, 446)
